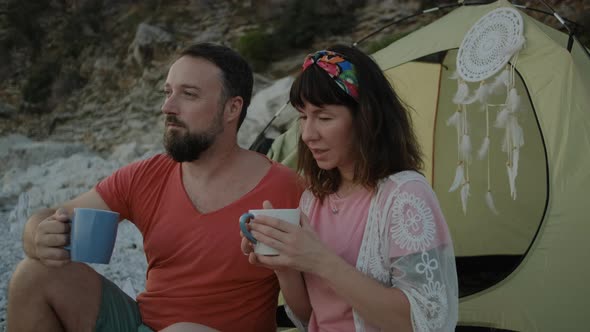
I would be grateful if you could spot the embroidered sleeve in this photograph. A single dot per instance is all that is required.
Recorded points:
(422, 262)
(305, 202)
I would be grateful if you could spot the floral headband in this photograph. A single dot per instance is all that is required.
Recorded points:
(341, 70)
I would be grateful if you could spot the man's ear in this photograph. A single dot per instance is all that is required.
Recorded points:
(233, 108)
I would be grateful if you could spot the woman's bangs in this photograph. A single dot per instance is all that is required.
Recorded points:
(315, 86)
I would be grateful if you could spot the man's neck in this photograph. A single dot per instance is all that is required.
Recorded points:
(213, 162)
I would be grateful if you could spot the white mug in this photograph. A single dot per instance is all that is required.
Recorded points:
(288, 215)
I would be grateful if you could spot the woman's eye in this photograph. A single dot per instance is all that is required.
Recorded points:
(302, 117)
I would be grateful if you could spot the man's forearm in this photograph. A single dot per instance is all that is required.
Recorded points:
(30, 229)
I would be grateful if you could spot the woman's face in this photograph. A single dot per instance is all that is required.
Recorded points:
(328, 133)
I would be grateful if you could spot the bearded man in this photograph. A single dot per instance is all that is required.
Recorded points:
(186, 203)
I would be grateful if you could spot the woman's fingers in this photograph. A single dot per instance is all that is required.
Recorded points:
(270, 241)
(266, 205)
(274, 223)
(246, 246)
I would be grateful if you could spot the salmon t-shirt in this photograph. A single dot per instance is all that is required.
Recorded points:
(196, 270)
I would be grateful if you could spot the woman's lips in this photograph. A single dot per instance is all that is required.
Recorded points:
(318, 153)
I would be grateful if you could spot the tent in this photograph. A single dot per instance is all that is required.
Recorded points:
(522, 269)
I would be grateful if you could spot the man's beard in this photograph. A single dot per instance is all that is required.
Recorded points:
(187, 147)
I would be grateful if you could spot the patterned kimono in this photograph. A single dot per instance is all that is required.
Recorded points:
(406, 244)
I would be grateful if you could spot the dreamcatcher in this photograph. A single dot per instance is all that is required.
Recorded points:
(490, 47)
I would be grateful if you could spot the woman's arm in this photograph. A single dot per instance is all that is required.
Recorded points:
(295, 293)
(300, 249)
(386, 308)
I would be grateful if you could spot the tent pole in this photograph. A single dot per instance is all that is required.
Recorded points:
(260, 136)
(571, 33)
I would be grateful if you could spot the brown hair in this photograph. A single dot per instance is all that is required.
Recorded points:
(386, 143)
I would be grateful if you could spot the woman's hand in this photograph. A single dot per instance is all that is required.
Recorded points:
(299, 247)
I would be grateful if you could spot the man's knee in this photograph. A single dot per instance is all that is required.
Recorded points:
(31, 275)
(72, 293)
(27, 274)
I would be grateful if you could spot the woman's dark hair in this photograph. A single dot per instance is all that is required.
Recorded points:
(385, 141)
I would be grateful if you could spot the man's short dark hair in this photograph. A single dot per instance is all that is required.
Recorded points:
(237, 74)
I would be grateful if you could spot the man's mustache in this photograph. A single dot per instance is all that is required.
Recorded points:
(171, 119)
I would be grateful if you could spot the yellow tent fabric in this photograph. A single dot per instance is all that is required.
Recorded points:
(548, 291)
(284, 147)
(548, 223)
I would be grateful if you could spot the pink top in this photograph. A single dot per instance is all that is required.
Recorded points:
(341, 228)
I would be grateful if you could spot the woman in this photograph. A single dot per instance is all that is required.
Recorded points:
(373, 251)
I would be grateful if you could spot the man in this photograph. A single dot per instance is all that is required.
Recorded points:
(186, 204)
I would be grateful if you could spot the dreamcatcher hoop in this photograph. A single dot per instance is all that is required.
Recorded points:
(489, 44)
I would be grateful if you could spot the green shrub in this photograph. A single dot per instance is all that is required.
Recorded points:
(304, 20)
(37, 88)
(257, 47)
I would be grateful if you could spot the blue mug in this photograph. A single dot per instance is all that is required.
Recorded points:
(92, 236)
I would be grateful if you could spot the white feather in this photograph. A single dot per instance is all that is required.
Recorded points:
(483, 149)
(511, 180)
(517, 132)
(506, 141)
(464, 196)
(501, 82)
(459, 173)
(490, 203)
(481, 95)
(466, 147)
(453, 120)
(502, 118)
(513, 100)
(515, 159)
(462, 93)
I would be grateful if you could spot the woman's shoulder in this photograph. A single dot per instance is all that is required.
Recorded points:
(402, 178)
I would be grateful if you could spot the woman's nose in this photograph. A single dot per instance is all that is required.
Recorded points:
(308, 131)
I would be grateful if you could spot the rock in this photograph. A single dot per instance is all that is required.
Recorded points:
(263, 107)
(147, 39)
(6, 110)
(19, 152)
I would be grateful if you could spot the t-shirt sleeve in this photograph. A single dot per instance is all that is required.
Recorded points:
(115, 190)
(422, 261)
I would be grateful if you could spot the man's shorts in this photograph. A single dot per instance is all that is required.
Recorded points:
(118, 312)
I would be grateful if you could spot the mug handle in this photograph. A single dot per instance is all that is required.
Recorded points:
(244, 220)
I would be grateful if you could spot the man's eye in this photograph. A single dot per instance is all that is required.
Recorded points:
(325, 119)
(190, 93)
(166, 92)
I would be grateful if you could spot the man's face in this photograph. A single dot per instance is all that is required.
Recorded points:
(194, 108)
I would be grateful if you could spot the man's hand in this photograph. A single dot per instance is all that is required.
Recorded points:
(51, 235)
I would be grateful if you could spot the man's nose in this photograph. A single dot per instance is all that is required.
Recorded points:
(169, 106)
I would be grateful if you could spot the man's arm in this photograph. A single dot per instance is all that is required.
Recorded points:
(47, 231)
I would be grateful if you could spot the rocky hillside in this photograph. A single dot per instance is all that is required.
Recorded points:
(90, 71)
